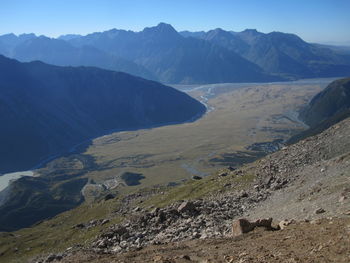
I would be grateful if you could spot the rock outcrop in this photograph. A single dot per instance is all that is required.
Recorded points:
(242, 225)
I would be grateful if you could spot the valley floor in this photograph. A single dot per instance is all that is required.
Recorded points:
(239, 116)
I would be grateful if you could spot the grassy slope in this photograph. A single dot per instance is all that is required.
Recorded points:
(55, 234)
(58, 233)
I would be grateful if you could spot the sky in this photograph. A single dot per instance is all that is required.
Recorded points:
(321, 21)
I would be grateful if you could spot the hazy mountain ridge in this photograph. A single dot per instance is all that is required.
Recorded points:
(68, 36)
(9, 41)
(162, 53)
(48, 109)
(28, 47)
(281, 53)
(174, 58)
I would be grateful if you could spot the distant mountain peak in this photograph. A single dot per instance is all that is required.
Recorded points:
(161, 28)
(165, 26)
(27, 35)
(68, 36)
(251, 31)
(9, 35)
(285, 35)
(197, 34)
(219, 31)
(113, 33)
(43, 37)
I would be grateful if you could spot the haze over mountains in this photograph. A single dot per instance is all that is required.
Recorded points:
(47, 109)
(163, 54)
(28, 47)
(280, 53)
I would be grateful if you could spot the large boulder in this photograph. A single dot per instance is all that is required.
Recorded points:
(242, 225)
(187, 207)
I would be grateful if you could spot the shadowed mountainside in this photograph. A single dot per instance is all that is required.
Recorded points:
(327, 108)
(46, 109)
(332, 101)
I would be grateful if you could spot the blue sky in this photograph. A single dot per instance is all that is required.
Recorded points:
(326, 21)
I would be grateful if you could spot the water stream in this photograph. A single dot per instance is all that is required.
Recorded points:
(6, 179)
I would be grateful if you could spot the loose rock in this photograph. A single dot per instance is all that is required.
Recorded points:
(319, 211)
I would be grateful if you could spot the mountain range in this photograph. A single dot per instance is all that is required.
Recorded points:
(47, 109)
(174, 58)
(28, 47)
(280, 53)
(161, 53)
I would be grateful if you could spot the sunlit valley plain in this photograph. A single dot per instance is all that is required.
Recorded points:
(163, 144)
(240, 115)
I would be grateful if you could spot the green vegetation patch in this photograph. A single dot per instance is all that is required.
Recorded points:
(56, 234)
(195, 189)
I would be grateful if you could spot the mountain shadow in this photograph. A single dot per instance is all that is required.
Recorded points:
(327, 108)
(45, 110)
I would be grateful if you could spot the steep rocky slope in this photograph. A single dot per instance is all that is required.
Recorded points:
(301, 242)
(303, 183)
(318, 168)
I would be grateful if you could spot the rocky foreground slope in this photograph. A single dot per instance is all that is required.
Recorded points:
(301, 242)
(304, 187)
